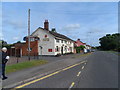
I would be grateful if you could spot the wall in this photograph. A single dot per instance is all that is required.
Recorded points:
(60, 44)
(45, 44)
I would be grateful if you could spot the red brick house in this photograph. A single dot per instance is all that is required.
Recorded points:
(21, 49)
(77, 44)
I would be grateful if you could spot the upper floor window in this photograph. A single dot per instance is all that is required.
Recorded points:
(32, 39)
(61, 41)
(57, 40)
(65, 41)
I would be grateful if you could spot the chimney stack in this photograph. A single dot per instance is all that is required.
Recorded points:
(46, 25)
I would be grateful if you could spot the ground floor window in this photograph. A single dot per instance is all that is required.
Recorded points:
(65, 48)
(49, 50)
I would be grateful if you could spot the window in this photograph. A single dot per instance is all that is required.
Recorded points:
(65, 41)
(61, 41)
(29, 50)
(49, 50)
(57, 40)
(65, 48)
(32, 39)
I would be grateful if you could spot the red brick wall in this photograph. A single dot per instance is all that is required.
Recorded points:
(33, 45)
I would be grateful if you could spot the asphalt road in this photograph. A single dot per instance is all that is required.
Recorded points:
(100, 70)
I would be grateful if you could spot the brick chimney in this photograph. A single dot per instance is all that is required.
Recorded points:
(46, 25)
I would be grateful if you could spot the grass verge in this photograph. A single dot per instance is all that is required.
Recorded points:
(24, 65)
(83, 55)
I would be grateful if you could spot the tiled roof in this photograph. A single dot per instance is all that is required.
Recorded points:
(57, 34)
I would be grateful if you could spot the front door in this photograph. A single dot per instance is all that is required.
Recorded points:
(62, 50)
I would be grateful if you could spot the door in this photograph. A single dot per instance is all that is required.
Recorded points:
(62, 50)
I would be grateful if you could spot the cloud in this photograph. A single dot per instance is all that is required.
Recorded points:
(16, 38)
(71, 27)
(14, 24)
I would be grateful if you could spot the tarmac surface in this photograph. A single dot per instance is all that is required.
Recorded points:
(97, 70)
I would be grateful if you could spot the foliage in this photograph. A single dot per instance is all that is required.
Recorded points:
(81, 47)
(3, 42)
(53, 30)
(110, 42)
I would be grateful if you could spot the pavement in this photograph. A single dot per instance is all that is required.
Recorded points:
(98, 70)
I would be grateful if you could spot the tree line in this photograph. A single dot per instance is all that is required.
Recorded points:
(110, 42)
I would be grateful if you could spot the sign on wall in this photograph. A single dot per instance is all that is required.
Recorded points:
(45, 38)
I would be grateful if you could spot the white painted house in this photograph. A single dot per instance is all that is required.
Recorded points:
(51, 42)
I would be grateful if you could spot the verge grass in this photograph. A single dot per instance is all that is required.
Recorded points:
(24, 65)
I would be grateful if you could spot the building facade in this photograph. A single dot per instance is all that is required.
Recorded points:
(51, 42)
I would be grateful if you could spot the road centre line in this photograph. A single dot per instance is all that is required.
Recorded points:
(82, 67)
(72, 85)
(49, 75)
(79, 73)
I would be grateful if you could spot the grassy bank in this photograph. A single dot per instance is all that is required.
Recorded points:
(24, 65)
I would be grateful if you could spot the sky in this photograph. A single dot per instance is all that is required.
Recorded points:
(88, 21)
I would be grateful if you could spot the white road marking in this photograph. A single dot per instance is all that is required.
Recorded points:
(82, 67)
(79, 73)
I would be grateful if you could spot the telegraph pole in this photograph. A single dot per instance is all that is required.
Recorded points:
(29, 34)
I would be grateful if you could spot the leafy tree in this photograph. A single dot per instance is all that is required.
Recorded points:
(3, 42)
(110, 42)
(18, 41)
(81, 47)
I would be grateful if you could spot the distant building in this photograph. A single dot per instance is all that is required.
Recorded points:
(78, 43)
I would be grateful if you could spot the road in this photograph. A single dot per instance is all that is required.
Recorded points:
(100, 70)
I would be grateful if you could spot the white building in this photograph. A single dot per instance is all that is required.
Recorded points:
(51, 42)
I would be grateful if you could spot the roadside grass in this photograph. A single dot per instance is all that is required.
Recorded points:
(115, 52)
(24, 65)
(82, 55)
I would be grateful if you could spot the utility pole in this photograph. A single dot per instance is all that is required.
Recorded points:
(29, 34)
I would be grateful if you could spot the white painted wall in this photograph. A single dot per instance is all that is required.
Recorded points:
(51, 44)
(45, 44)
(60, 44)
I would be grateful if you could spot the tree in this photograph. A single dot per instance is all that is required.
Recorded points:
(53, 30)
(3, 42)
(18, 41)
(81, 47)
(110, 42)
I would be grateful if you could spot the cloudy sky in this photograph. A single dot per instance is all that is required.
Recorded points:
(85, 20)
